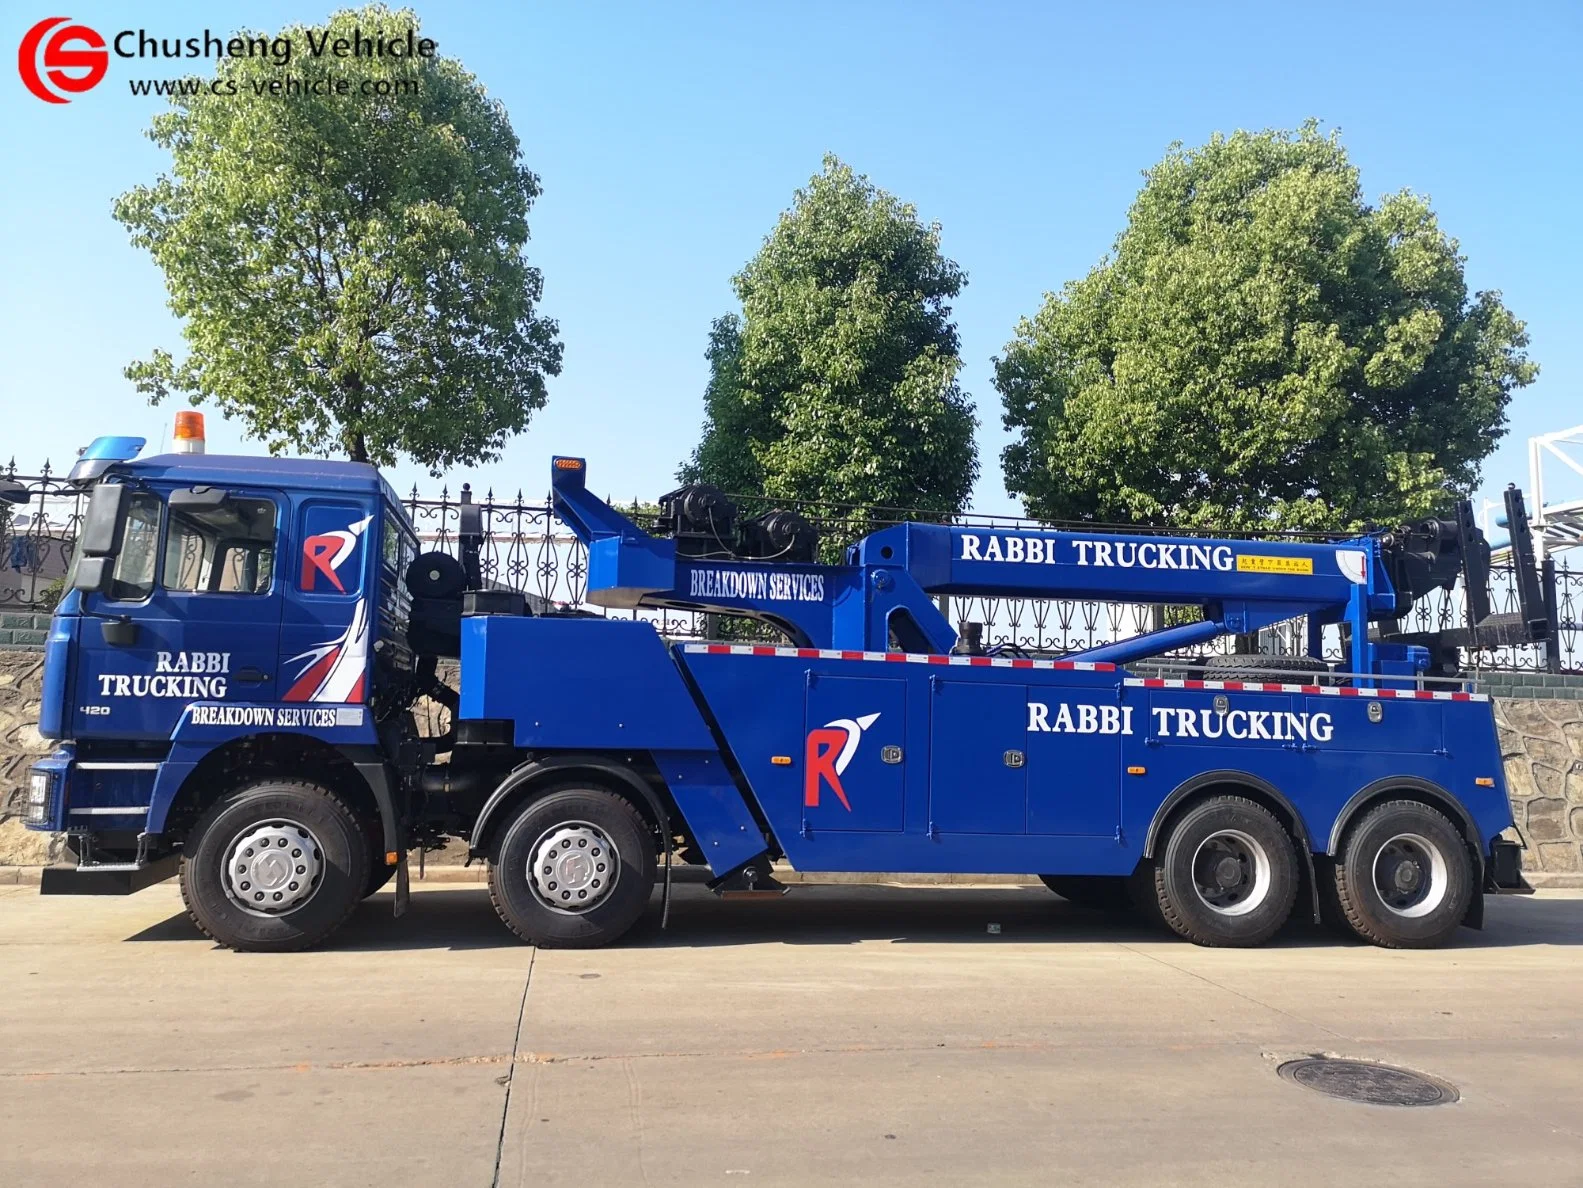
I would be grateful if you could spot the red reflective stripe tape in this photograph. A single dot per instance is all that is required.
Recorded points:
(895, 655)
(718, 649)
(1022, 663)
(1153, 683)
(851, 655)
(1461, 697)
(808, 653)
(978, 661)
(764, 650)
(1309, 689)
(939, 660)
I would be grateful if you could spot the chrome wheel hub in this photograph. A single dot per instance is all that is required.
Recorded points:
(1231, 872)
(573, 867)
(273, 867)
(1410, 875)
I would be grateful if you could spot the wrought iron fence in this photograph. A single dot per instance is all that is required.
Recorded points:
(36, 540)
(526, 549)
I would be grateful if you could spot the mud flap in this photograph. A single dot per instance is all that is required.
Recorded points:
(403, 886)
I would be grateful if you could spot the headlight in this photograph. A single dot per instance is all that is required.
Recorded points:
(38, 790)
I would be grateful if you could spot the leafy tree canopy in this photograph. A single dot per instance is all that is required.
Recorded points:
(838, 382)
(349, 267)
(1261, 349)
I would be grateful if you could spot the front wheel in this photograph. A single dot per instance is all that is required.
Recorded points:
(1404, 879)
(1228, 874)
(276, 865)
(574, 870)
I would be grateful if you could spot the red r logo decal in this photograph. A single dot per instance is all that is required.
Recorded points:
(824, 749)
(318, 556)
(829, 749)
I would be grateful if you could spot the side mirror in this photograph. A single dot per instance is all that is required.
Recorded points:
(198, 499)
(93, 574)
(103, 524)
(12, 491)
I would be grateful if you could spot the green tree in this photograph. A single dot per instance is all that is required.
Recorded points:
(348, 267)
(838, 384)
(723, 457)
(1261, 349)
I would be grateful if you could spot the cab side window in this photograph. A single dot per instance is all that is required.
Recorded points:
(133, 580)
(229, 549)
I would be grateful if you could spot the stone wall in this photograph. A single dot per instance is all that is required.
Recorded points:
(1541, 744)
(21, 674)
(1542, 749)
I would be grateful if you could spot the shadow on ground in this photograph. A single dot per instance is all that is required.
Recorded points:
(462, 918)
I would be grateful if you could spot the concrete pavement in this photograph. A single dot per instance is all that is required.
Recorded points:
(842, 1034)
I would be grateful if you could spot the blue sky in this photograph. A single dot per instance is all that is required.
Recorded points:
(668, 138)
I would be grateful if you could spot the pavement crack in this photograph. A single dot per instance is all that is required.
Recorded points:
(511, 1069)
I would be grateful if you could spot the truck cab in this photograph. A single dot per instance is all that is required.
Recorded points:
(213, 597)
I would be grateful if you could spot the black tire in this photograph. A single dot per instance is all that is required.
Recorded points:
(1246, 667)
(1331, 915)
(322, 836)
(1145, 900)
(1103, 893)
(1228, 874)
(1403, 878)
(591, 819)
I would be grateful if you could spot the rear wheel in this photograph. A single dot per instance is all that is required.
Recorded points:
(1228, 874)
(1404, 879)
(1104, 893)
(276, 865)
(574, 870)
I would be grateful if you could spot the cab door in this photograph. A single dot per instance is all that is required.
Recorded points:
(196, 581)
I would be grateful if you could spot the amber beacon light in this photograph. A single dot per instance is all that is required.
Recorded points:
(188, 437)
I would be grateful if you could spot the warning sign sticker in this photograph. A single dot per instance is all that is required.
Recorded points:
(1255, 563)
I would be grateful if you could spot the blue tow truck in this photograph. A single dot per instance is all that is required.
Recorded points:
(231, 675)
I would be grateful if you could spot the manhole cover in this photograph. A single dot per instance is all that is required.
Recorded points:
(1372, 1084)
